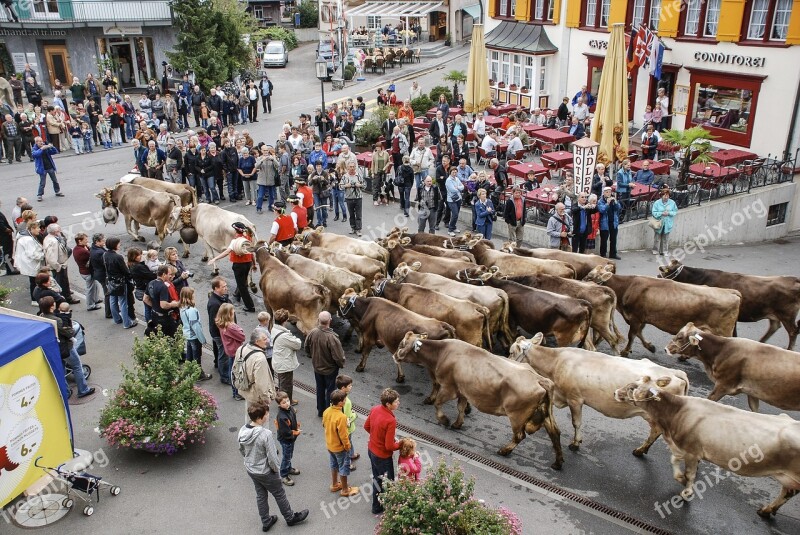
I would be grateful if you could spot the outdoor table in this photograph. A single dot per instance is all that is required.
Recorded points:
(712, 171)
(553, 136)
(364, 159)
(419, 122)
(455, 110)
(658, 168)
(521, 169)
(558, 159)
(502, 109)
(493, 121)
(530, 128)
(732, 156)
(542, 198)
(641, 192)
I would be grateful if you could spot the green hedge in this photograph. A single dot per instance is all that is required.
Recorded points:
(277, 33)
(441, 90)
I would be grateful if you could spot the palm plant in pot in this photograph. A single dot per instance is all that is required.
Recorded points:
(456, 77)
(694, 146)
(157, 408)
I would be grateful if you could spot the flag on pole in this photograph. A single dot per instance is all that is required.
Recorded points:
(644, 40)
(656, 58)
(631, 60)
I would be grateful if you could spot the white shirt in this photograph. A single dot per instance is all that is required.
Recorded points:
(488, 144)
(479, 126)
(664, 101)
(514, 145)
(655, 135)
(414, 92)
(581, 111)
(295, 141)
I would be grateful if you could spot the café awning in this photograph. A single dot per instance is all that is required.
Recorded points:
(520, 37)
(393, 9)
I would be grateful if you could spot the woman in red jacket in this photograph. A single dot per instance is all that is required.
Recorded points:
(381, 425)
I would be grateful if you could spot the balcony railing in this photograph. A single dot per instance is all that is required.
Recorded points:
(56, 12)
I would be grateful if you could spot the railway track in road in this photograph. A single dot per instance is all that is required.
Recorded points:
(594, 507)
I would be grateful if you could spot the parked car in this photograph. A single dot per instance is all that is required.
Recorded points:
(327, 52)
(275, 54)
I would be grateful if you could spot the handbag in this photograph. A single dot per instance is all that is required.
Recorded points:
(654, 223)
(138, 294)
(398, 180)
(115, 287)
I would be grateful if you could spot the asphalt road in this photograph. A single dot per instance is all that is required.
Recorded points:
(205, 489)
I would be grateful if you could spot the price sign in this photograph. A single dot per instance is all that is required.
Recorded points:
(24, 395)
(24, 440)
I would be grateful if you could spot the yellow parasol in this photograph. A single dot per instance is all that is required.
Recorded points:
(476, 97)
(610, 122)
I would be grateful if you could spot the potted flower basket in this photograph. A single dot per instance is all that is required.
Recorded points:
(524, 89)
(491, 82)
(501, 84)
(513, 87)
(157, 407)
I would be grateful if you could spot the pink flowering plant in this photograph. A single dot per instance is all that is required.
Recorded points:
(157, 407)
(442, 503)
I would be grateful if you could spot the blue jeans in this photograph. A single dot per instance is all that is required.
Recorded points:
(338, 201)
(232, 190)
(74, 361)
(224, 363)
(454, 209)
(210, 189)
(419, 178)
(381, 468)
(287, 449)
(405, 197)
(217, 342)
(486, 230)
(43, 181)
(243, 115)
(129, 122)
(265, 190)
(194, 350)
(120, 314)
(322, 210)
(204, 123)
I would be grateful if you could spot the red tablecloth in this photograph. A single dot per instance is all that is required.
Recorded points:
(419, 122)
(544, 198)
(364, 159)
(732, 156)
(521, 169)
(716, 171)
(658, 168)
(502, 109)
(553, 136)
(493, 121)
(642, 192)
(559, 158)
(531, 128)
(455, 110)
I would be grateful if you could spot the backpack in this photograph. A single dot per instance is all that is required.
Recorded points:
(239, 378)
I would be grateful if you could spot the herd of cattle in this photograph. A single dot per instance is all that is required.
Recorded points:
(453, 304)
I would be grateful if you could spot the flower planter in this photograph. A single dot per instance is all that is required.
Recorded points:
(513, 87)
(501, 85)
(524, 90)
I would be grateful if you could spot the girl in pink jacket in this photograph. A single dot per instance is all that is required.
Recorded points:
(409, 464)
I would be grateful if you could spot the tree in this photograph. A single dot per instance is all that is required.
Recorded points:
(697, 141)
(210, 40)
(457, 77)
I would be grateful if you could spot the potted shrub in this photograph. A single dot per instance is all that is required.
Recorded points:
(442, 503)
(501, 84)
(491, 82)
(157, 407)
(524, 89)
(513, 87)
(448, 39)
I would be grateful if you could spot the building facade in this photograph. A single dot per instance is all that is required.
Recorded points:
(65, 38)
(729, 66)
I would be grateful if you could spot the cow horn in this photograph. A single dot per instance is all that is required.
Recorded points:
(416, 266)
(494, 269)
(405, 241)
(663, 381)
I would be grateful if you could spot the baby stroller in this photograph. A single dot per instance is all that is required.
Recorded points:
(83, 482)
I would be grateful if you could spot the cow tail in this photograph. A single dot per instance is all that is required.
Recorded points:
(324, 293)
(486, 328)
(194, 196)
(504, 322)
(450, 330)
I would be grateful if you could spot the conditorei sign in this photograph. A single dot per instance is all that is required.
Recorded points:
(730, 59)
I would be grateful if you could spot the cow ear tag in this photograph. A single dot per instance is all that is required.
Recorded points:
(417, 346)
(654, 392)
(525, 346)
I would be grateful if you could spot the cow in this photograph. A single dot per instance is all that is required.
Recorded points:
(589, 378)
(446, 267)
(318, 238)
(383, 323)
(434, 240)
(740, 366)
(668, 305)
(214, 227)
(336, 279)
(774, 298)
(565, 318)
(582, 263)
(139, 206)
(432, 250)
(187, 193)
(493, 385)
(602, 299)
(282, 287)
(493, 299)
(361, 265)
(514, 265)
(746, 443)
(471, 321)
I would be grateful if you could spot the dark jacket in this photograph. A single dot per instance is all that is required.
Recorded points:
(437, 196)
(65, 333)
(197, 98)
(116, 267)
(327, 355)
(41, 291)
(582, 219)
(214, 302)
(96, 260)
(510, 212)
(215, 103)
(434, 130)
(204, 166)
(501, 174)
(287, 423)
(407, 172)
(218, 165)
(190, 160)
(230, 159)
(177, 155)
(461, 152)
(141, 275)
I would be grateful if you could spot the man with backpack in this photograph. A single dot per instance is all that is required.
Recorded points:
(250, 373)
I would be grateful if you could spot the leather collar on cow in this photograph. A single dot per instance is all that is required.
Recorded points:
(453, 246)
(186, 216)
(351, 303)
(263, 246)
(381, 288)
(107, 201)
(467, 278)
(672, 275)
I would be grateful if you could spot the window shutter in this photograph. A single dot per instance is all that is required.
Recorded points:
(793, 34)
(729, 28)
(574, 13)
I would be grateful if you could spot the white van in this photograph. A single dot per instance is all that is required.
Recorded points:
(275, 54)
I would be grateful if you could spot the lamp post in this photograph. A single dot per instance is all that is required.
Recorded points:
(322, 73)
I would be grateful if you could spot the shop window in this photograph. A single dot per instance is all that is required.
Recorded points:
(777, 214)
(543, 10)
(767, 20)
(374, 23)
(724, 104)
(596, 13)
(644, 12)
(700, 18)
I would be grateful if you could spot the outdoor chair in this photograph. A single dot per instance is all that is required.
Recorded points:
(418, 55)
(379, 64)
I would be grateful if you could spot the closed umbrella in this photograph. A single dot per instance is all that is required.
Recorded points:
(476, 97)
(610, 122)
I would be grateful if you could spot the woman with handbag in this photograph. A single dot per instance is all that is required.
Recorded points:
(118, 277)
(141, 276)
(663, 212)
(192, 330)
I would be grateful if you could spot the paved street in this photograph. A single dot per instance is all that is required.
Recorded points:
(206, 490)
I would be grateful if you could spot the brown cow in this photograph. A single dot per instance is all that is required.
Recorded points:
(445, 267)
(434, 240)
(668, 305)
(471, 321)
(318, 238)
(566, 318)
(602, 299)
(139, 206)
(432, 250)
(185, 192)
(514, 265)
(362, 265)
(282, 287)
(747, 444)
(740, 366)
(582, 263)
(774, 298)
(383, 323)
(493, 385)
(493, 299)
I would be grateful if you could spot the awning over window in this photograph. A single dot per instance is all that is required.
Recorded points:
(393, 9)
(520, 37)
(473, 11)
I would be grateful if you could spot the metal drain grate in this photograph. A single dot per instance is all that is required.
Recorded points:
(490, 463)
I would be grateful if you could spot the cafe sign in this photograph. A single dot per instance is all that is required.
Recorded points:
(584, 158)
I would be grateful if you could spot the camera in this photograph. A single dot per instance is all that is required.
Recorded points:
(189, 274)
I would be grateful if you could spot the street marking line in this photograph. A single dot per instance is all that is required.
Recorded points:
(81, 213)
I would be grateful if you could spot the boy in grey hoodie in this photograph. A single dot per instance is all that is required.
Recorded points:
(257, 446)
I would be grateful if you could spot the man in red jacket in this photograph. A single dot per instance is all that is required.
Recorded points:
(381, 425)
